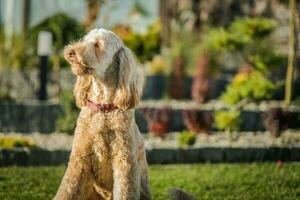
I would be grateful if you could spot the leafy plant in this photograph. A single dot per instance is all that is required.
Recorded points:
(64, 28)
(9, 142)
(241, 32)
(23, 49)
(157, 66)
(248, 38)
(187, 138)
(185, 45)
(251, 85)
(144, 45)
(227, 120)
(6, 97)
(20, 54)
(67, 121)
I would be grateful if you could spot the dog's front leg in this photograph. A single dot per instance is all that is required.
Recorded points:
(125, 170)
(77, 181)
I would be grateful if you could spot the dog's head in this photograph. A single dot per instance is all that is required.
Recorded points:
(94, 56)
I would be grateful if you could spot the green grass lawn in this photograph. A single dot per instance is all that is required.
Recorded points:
(205, 181)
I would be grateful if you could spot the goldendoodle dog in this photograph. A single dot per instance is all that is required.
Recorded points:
(108, 158)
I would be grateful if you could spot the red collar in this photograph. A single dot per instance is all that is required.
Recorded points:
(108, 107)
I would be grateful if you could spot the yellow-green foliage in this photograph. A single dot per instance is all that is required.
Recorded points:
(157, 66)
(9, 142)
(67, 121)
(144, 45)
(19, 55)
(246, 38)
(187, 138)
(252, 86)
(241, 32)
(230, 120)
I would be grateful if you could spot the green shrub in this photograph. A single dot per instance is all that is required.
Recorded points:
(23, 52)
(227, 120)
(67, 121)
(5, 97)
(241, 32)
(20, 55)
(9, 142)
(246, 38)
(187, 138)
(64, 28)
(156, 66)
(144, 45)
(252, 86)
(297, 101)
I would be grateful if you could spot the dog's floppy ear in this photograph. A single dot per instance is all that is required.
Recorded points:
(83, 83)
(130, 80)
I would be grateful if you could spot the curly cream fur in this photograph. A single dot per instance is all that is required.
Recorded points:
(108, 158)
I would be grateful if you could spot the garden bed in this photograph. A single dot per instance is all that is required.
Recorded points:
(41, 117)
(54, 149)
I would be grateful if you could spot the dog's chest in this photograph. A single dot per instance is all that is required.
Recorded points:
(103, 142)
(116, 121)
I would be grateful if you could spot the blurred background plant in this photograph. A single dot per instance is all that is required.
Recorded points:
(158, 120)
(187, 138)
(197, 121)
(157, 66)
(249, 84)
(66, 122)
(200, 56)
(64, 28)
(228, 120)
(144, 45)
(16, 141)
(201, 80)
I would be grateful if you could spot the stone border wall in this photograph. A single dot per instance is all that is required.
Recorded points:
(38, 157)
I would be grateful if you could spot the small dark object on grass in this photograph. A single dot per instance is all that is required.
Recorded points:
(179, 194)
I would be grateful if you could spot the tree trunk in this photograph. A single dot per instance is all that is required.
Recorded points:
(293, 45)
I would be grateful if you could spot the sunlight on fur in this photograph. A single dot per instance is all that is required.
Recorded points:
(108, 159)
